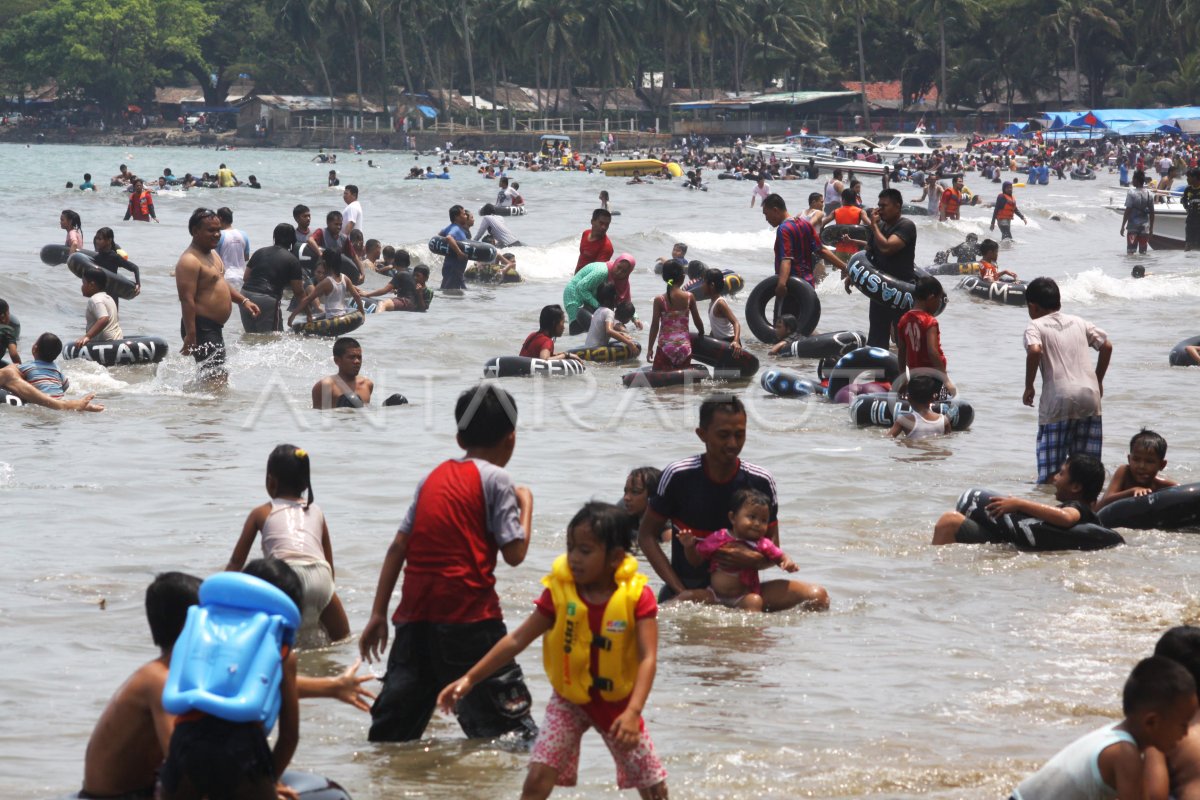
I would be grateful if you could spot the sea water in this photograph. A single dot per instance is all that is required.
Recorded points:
(948, 672)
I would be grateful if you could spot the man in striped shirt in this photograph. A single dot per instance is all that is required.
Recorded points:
(42, 372)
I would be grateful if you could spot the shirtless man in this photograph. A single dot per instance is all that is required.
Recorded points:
(346, 389)
(204, 297)
(134, 731)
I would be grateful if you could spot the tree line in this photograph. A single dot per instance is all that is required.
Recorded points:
(115, 52)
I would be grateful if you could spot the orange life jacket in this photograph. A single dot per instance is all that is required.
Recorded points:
(1010, 207)
(847, 215)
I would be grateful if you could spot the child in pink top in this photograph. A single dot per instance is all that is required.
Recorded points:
(740, 589)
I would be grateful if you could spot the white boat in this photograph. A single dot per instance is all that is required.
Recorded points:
(911, 144)
(851, 165)
(1170, 225)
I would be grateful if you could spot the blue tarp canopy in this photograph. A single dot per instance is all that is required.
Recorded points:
(1016, 129)
(428, 111)
(1114, 118)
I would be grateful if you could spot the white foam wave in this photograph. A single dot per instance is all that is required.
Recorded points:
(1095, 286)
(6, 475)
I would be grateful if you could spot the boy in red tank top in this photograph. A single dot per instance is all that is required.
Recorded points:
(921, 337)
(465, 513)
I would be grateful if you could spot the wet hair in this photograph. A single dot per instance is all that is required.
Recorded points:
(604, 194)
(343, 344)
(105, 233)
(696, 270)
(1146, 439)
(356, 235)
(97, 276)
(389, 253)
(1088, 472)
(814, 197)
(624, 311)
(722, 403)
(648, 477)
(748, 497)
(601, 213)
(73, 219)
(168, 598)
(926, 287)
(892, 196)
(298, 210)
(611, 525)
(372, 243)
(402, 258)
(1043, 292)
(672, 273)
(989, 246)
(715, 279)
(1139, 178)
(225, 214)
(789, 323)
(849, 197)
(277, 573)
(921, 389)
(681, 247)
(290, 467)
(485, 415)
(487, 209)
(351, 188)
(607, 295)
(284, 235)
(331, 216)
(1192, 174)
(421, 269)
(3, 306)
(1181, 644)
(49, 347)
(774, 201)
(87, 176)
(1156, 684)
(332, 259)
(198, 216)
(454, 212)
(550, 317)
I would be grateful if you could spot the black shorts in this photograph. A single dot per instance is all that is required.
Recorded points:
(425, 657)
(213, 757)
(1192, 233)
(209, 351)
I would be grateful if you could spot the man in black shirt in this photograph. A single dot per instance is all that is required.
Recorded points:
(270, 270)
(892, 248)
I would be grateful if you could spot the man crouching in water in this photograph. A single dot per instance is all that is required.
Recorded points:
(205, 298)
(346, 389)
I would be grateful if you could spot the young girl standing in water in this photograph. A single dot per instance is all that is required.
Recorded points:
(671, 311)
(594, 588)
(294, 531)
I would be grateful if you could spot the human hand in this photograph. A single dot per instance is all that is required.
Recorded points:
(84, 404)
(787, 565)
(81, 341)
(189, 344)
(846, 282)
(992, 227)
(685, 537)
(1004, 505)
(951, 389)
(736, 346)
(1027, 397)
(1142, 491)
(637, 323)
(373, 641)
(734, 557)
(349, 687)
(447, 699)
(650, 354)
(283, 792)
(780, 291)
(137, 289)
(626, 729)
(250, 306)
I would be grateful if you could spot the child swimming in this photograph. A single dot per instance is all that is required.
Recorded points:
(575, 606)
(748, 519)
(671, 310)
(922, 422)
(294, 531)
(1147, 458)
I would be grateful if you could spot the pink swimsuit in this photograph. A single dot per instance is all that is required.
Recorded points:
(674, 344)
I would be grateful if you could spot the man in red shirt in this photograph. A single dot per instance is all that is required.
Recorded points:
(465, 513)
(595, 244)
(141, 203)
(921, 338)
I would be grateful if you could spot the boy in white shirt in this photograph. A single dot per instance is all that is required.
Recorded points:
(101, 315)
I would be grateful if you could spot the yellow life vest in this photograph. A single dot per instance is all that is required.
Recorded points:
(567, 647)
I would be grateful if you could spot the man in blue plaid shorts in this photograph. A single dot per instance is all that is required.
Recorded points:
(1069, 411)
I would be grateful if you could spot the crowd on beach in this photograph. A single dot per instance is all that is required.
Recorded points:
(706, 525)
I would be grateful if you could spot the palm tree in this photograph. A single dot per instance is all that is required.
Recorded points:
(1070, 17)
(551, 30)
(300, 19)
(352, 12)
(720, 21)
(862, 62)
(605, 24)
(961, 11)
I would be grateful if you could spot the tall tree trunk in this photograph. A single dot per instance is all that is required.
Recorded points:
(411, 87)
(537, 81)
(328, 88)
(470, 58)
(1073, 32)
(862, 63)
(942, 41)
(383, 65)
(357, 66)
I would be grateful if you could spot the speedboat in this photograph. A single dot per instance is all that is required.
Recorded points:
(910, 144)
(1170, 225)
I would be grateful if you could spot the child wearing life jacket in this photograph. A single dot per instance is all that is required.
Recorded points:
(295, 531)
(989, 254)
(741, 589)
(598, 621)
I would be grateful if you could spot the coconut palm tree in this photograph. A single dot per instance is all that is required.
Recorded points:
(300, 18)
(1071, 17)
(962, 12)
(605, 25)
(551, 30)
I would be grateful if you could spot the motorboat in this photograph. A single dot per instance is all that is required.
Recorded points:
(1170, 225)
(911, 144)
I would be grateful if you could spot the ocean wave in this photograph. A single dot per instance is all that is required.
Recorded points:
(1093, 286)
